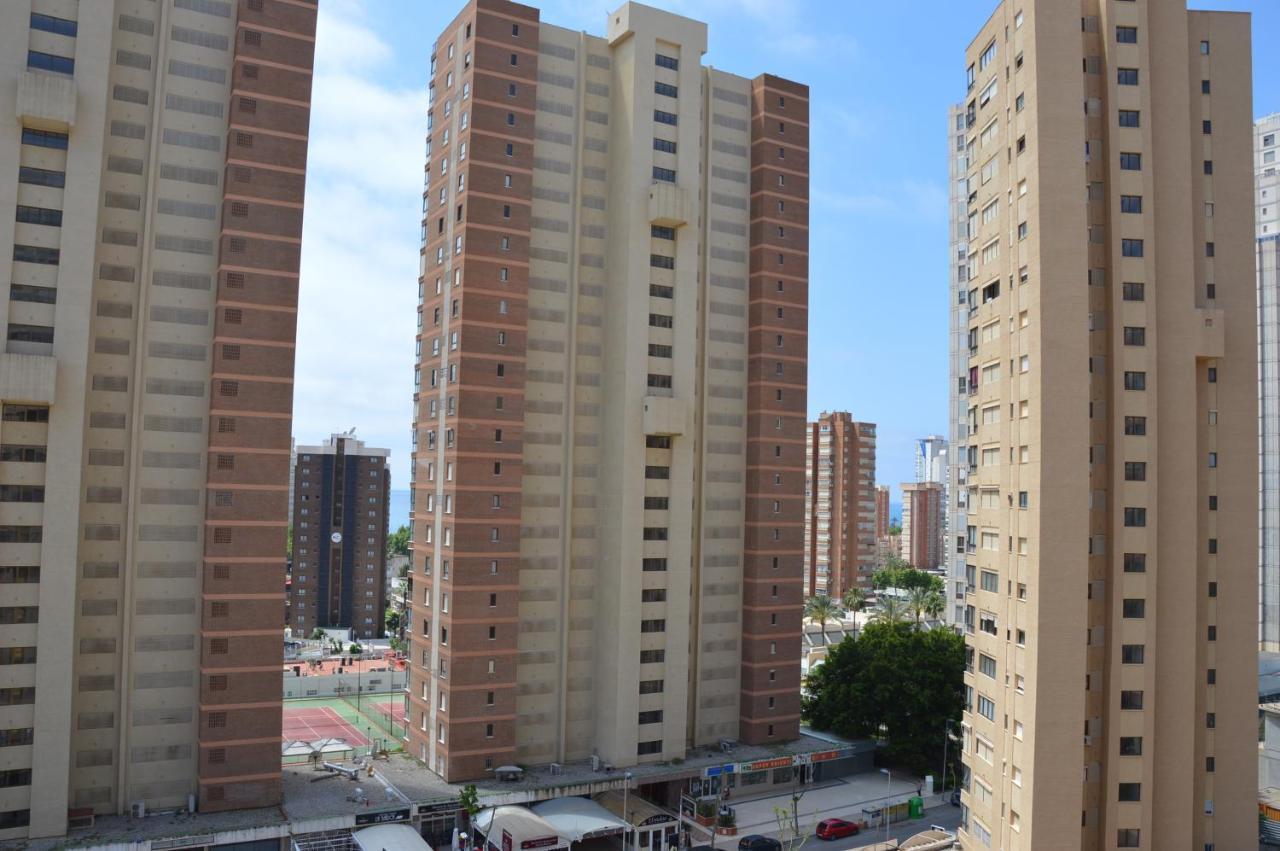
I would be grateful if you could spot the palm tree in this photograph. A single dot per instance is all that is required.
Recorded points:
(821, 608)
(935, 604)
(855, 599)
(917, 601)
(890, 610)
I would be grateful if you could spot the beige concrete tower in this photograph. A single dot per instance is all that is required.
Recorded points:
(1112, 465)
(154, 153)
(612, 332)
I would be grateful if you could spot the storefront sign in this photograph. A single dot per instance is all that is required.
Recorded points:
(384, 817)
(540, 842)
(659, 818)
(717, 770)
(439, 807)
(764, 764)
(824, 756)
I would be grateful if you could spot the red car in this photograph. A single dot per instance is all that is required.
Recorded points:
(835, 828)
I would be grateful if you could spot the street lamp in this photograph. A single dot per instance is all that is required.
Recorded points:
(946, 739)
(884, 809)
(625, 787)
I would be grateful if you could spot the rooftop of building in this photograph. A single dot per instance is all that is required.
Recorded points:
(317, 800)
(355, 446)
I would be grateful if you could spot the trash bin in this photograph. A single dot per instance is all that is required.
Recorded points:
(915, 807)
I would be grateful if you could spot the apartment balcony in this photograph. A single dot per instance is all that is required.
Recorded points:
(28, 378)
(47, 101)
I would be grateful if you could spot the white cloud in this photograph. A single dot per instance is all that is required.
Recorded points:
(358, 295)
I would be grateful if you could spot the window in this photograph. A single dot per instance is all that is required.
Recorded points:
(1135, 471)
(1135, 426)
(664, 146)
(1127, 35)
(1135, 562)
(665, 89)
(1131, 247)
(50, 24)
(1134, 607)
(667, 175)
(1130, 746)
(1208, 166)
(1134, 292)
(986, 708)
(988, 56)
(1205, 87)
(1130, 118)
(651, 686)
(666, 62)
(1135, 517)
(1204, 48)
(659, 320)
(1135, 381)
(1131, 203)
(1135, 336)
(1206, 127)
(1127, 76)
(1131, 161)
(663, 117)
(661, 261)
(1132, 654)
(1131, 791)
(50, 62)
(1131, 700)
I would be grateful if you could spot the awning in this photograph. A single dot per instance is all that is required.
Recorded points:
(640, 812)
(517, 829)
(579, 818)
(390, 837)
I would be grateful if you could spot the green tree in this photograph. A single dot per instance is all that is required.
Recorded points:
(288, 542)
(398, 542)
(935, 604)
(892, 681)
(917, 602)
(890, 610)
(393, 620)
(821, 608)
(895, 530)
(900, 574)
(855, 599)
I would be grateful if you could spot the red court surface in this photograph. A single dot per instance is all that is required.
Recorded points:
(395, 707)
(319, 722)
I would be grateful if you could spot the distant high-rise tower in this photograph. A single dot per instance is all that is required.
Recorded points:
(154, 156)
(882, 512)
(1267, 215)
(1112, 429)
(931, 459)
(922, 524)
(608, 481)
(840, 514)
(341, 494)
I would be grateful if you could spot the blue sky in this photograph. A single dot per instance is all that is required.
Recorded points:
(880, 87)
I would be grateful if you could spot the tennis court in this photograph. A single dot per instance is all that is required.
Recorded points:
(310, 723)
(393, 707)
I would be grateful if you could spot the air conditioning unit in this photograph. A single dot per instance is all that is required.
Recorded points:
(138, 809)
(80, 819)
(556, 769)
(595, 763)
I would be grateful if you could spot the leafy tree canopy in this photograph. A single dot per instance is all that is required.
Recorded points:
(398, 542)
(899, 574)
(891, 681)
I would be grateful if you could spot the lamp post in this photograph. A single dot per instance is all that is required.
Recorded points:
(884, 808)
(626, 786)
(946, 739)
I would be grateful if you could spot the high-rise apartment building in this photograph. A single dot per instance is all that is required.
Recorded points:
(840, 504)
(1112, 385)
(608, 504)
(154, 154)
(922, 524)
(882, 511)
(341, 493)
(957, 494)
(1267, 217)
(931, 459)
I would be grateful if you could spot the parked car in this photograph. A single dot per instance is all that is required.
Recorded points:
(835, 828)
(756, 842)
(955, 798)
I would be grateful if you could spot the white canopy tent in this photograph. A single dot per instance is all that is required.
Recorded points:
(389, 837)
(512, 828)
(579, 818)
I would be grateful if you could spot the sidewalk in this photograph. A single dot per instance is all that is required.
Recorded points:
(843, 798)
